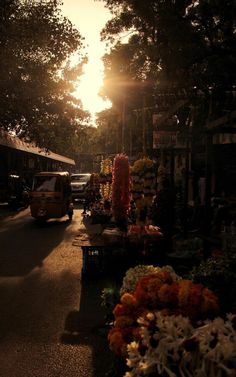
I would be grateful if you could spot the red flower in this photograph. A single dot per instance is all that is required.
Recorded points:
(119, 310)
(148, 287)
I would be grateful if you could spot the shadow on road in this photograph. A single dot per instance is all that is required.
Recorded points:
(87, 326)
(24, 245)
(33, 308)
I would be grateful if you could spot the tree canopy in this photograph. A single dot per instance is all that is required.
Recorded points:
(36, 77)
(182, 46)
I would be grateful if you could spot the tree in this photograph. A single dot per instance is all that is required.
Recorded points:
(183, 45)
(36, 79)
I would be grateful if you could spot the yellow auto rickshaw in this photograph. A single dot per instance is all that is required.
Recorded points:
(50, 196)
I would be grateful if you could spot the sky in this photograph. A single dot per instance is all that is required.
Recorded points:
(89, 17)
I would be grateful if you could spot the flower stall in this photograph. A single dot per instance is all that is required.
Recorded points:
(136, 242)
(101, 208)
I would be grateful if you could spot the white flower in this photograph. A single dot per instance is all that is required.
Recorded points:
(133, 275)
(212, 351)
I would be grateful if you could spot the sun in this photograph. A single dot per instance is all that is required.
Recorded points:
(89, 17)
(88, 87)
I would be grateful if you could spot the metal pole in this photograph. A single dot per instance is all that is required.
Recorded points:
(123, 127)
(144, 126)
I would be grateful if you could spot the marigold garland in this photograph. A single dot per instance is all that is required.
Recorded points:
(143, 183)
(120, 188)
(105, 177)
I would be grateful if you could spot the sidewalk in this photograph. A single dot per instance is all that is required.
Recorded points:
(7, 213)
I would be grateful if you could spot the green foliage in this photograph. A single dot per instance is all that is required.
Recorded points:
(173, 50)
(109, 298)
(219, 275)
(36, 79)
(180, 45)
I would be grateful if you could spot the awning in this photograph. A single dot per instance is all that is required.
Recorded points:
(14, 142)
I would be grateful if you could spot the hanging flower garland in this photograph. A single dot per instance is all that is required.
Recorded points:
(143, 184)
(106, 178)
(120, 188)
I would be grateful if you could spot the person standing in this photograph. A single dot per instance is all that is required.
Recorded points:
(163, 208)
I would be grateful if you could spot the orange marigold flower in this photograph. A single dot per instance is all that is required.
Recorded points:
(129, 300)
(119, 310)
(210, 303)
(112, 331)
(195, 295)
(124, 321)
(116, 342)
(168, 294)
(147, 288)
(184, 290)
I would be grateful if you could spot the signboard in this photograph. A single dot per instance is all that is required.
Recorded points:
(224, 138)
(164, 138)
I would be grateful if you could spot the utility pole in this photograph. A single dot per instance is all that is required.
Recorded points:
(208, 172)
(123, 126)
(144, 126)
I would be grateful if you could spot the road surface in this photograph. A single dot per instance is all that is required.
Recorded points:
(51, 320)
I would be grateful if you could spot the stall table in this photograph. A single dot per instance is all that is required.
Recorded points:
(114, 251)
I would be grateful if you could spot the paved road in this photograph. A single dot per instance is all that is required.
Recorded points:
(51, 321)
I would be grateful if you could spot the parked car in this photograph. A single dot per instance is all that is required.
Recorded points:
(79, 183)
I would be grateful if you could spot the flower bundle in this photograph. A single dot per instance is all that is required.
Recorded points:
(160, 291)
(106, 178)
(172, 346)
(134, 274)
(120, 188)
(219, 275)
(143, 183)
